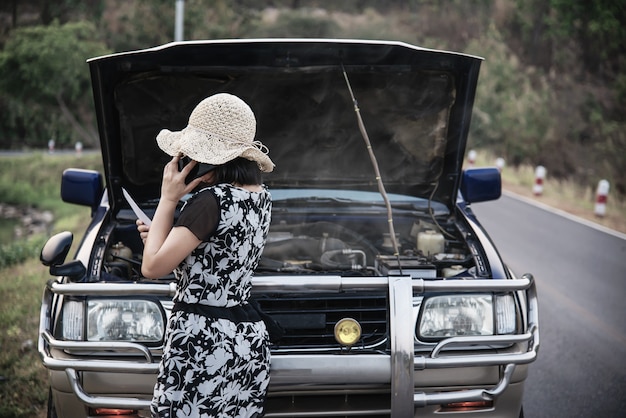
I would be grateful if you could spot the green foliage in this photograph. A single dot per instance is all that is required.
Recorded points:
(552, 88)
(608, 153)
(299, 24)
(18, 251)
(512, 111)
(45, 83)
(65, 10)
(224, 19)
(598, 25)
(140, 24)
(144, 23)
(592, 32)
(620, 90)
(35, 180)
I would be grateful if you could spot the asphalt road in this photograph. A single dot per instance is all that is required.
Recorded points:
(581, 283)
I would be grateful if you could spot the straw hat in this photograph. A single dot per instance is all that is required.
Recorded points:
(220, 129)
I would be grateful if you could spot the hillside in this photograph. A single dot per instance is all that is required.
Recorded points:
(552, 88)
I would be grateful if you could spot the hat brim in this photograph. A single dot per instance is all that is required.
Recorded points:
(206, 148)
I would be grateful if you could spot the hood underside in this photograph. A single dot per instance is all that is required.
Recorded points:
(415, 105)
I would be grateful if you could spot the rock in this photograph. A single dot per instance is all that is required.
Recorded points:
(27, 345)
(32, 221)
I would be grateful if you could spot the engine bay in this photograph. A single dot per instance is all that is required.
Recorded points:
(347, 243)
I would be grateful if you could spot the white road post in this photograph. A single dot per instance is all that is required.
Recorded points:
(540, 175)
(471, 157)
(500, 163)
(602, 193)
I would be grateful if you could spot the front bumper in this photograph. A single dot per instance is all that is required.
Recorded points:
(396, 371)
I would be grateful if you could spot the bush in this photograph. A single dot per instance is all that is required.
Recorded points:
(512, 107)
(298, 24)
(19, 251)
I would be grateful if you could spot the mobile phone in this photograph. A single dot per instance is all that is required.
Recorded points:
(199, 170)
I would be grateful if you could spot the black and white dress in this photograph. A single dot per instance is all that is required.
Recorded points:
(216, 358)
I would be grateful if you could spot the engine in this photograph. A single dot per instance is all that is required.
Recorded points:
(350, 247)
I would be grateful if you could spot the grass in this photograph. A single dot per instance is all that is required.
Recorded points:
(23, 390)
(564, 195)
(30, 180)
(23, 379)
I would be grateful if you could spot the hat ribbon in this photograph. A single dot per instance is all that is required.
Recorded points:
(254, 144)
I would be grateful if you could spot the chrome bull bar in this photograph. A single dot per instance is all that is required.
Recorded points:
(399, 368)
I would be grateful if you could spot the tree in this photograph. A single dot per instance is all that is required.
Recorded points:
(598, 26)
(44, 83)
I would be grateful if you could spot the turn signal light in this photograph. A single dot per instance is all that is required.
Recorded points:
(111, 412)
(466, 406)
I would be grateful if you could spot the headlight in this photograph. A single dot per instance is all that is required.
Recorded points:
(124, 320)
(462, 315)
(113, 320)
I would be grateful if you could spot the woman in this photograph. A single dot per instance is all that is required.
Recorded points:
(216, 356)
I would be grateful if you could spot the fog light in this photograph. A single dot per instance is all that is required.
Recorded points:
(347, 332)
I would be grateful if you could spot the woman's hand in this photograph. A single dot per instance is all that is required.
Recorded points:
(143, 230)
(173, 187)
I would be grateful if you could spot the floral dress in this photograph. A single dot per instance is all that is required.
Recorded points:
(216, 358)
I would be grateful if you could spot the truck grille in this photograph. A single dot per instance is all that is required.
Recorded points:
(309, 320)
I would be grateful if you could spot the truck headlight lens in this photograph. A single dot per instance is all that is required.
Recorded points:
(462, 315)
(124, 320)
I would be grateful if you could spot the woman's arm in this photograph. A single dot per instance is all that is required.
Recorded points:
(165, 247)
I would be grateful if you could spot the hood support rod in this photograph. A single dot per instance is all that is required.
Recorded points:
(381, 186)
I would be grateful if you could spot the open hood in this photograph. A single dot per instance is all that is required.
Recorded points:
(415, 104)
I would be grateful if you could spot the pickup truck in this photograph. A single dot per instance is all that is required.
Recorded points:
(391, 299)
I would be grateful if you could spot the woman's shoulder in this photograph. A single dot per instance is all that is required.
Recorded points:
(202, 196)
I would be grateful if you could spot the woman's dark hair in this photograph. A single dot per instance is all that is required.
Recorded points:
(240, 170)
